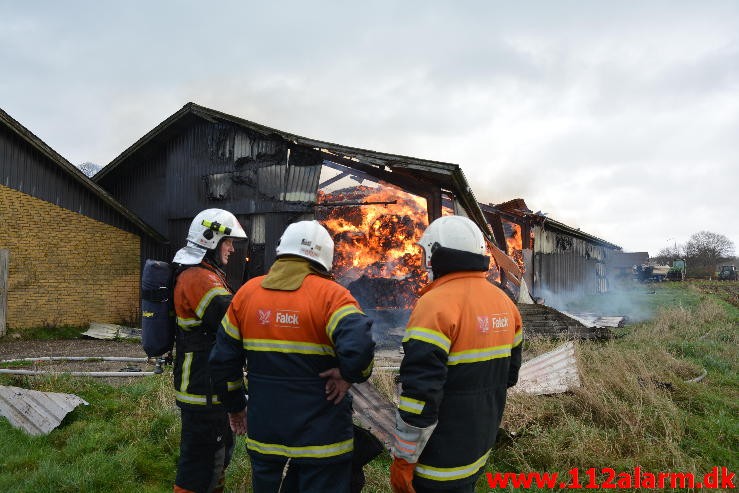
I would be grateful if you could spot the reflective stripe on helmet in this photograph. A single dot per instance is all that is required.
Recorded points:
(216, 226)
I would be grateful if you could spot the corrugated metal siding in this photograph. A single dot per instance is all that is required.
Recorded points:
(258, 229)
(566, 265)
(302, 183)
(213, 164)
(25, 169)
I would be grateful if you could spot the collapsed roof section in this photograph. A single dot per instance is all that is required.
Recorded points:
(517, 211)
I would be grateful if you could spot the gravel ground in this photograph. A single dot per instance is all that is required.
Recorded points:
(15, 349)
(68, 347)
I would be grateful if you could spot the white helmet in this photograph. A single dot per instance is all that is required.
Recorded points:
(457, 232)
(308, 239)
(207, 229)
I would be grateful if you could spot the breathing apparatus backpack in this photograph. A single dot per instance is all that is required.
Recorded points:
(158, 320)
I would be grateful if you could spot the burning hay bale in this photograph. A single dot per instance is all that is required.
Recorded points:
(384, 292)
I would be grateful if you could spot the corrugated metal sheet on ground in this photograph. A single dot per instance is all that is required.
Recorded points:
(111, 331)
(591, 320)
(553, 372)
(36, 412)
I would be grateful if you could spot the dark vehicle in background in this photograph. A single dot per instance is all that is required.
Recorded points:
(728, 273)
(651, 272)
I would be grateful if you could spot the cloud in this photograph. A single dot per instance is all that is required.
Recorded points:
(619, 118)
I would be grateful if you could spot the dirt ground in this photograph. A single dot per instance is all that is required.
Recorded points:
(727, 290)
(69, 347)
(16, 349)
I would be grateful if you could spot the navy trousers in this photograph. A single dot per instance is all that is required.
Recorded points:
(206, 445)
(267, 477)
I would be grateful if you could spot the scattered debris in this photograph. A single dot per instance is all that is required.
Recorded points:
(591, 320)
(700, 377)
(374, 412)
(35, 412)
(553, 372)
(544, 320)
(112, 331)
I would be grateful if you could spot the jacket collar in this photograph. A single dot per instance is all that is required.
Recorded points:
(451, 277)
(288, 274)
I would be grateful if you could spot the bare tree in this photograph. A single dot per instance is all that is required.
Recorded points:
(668, 254)
(704, 250)
(89, 168)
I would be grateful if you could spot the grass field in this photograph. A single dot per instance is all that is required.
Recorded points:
(637, 406)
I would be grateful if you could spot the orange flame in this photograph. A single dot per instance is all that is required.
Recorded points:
(379, 240)
(515, 245)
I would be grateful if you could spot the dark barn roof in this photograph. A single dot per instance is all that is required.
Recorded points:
(23, 177)
(408, 169)
(418, 176)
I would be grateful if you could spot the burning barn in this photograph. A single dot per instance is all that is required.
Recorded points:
(558, 262)
(375, 204)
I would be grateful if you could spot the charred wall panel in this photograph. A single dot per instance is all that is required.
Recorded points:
(206, 164)
(24, 168)
(567, 266)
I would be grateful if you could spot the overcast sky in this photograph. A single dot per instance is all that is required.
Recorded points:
(620, 118)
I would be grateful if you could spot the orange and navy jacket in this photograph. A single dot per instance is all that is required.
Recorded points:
(201, 297)
(288, 335)
(462, 350)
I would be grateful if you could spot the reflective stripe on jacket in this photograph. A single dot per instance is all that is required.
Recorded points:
(462, 350)
(288, 337)
(201, 297)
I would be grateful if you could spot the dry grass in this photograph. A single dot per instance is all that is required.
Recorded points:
(636, 406)
(385, 383)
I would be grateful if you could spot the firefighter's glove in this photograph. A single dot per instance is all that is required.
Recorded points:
(401, 476)
(409, 441)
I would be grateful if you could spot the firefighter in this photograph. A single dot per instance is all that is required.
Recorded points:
(305, 341)
(201, 297)
(462, 350)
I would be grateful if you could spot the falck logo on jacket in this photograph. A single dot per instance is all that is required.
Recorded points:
(287, 318)
(264, 316)
(496, 321)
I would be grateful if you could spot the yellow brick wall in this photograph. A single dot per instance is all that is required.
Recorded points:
(66, 268)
